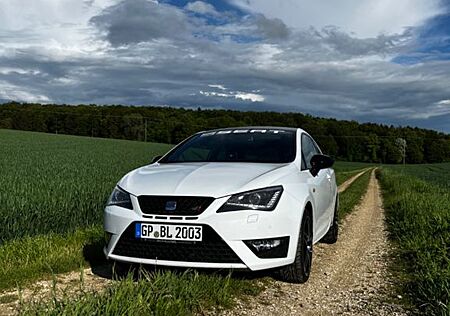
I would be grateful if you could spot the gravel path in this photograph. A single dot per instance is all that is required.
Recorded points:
(71, 284)
(348, 278)
(349, 181)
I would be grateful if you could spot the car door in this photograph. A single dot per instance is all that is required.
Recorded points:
(328, 194)
(319, 185)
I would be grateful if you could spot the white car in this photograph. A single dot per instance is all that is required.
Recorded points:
(237, 198)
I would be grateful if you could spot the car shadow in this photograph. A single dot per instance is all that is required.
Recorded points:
(93, 254)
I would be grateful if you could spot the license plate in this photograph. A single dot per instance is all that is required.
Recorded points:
(168, 232)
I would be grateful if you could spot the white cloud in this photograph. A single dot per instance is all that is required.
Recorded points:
(201, 8)
(59, 24)
(436, 109)
(218, 86)
(249, 96)
(64, 81)
(245, 96)
(214, 94)
(16, 70)
(444, 103)
(365, 18)
(12, 92)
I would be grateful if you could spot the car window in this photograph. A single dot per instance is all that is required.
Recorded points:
(303, 163)
(240, 145)
(318, 151)
(309, 149)
(194, 153)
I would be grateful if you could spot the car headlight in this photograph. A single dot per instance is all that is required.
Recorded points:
(121, 198)
(260, 200)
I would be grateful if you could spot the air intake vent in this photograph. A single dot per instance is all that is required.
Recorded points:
(174, 205)
(212, 249)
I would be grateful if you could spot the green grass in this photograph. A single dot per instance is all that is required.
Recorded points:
(344, 176)
(418, 218)
(54, 188)
(344, 166)
(8, 298)
(157, 293)
(57, 183)
(351, 197)
(438, 173)
(345, 170)
(30, 258)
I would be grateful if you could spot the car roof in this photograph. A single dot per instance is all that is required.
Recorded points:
(290, 129)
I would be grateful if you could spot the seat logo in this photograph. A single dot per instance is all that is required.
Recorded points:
(171, 205)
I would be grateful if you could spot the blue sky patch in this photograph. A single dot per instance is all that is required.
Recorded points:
(432, 42)
(220, 5)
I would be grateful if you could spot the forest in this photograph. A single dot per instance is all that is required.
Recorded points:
(344, 140)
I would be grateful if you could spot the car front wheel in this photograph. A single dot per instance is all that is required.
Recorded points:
(299, 270)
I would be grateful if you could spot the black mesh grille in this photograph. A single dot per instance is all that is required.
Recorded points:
(185, 205)
(212, 248)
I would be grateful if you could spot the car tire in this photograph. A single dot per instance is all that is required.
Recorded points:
(300, 269)
(332, 234)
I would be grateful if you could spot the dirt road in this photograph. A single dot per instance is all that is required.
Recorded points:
(349, 181)
(348, 278)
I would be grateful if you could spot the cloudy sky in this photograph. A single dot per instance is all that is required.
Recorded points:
(370, 60)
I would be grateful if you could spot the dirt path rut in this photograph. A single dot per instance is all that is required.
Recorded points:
(347, 278)
(348, 182)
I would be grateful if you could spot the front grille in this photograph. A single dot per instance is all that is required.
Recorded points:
(212, 248)
(185, 205)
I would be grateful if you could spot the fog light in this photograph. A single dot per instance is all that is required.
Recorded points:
(269, 248)
(265, 244)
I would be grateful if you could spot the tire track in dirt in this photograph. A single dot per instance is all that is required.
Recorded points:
(349, 181)
(350, 277)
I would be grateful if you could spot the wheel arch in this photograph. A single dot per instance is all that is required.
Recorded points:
(308, 207)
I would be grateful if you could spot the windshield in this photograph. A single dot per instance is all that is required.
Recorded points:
(253, 145)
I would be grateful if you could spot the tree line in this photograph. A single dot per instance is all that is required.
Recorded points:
(345, 140)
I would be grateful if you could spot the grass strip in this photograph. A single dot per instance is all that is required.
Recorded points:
(418, 220)
(341, 177)
(154, 293)
(351, 197)
(344, 166)
(31, 258)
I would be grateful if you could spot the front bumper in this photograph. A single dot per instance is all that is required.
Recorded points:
(232, 228)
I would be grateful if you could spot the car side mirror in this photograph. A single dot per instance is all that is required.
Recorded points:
(156, 158)
(319, 162)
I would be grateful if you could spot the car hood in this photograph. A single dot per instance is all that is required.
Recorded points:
(202, 179)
